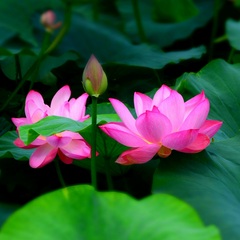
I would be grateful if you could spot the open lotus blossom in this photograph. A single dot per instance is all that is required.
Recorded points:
(163, 124)
(67, 145)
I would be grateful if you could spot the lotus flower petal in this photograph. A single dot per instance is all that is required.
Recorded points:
(138, 155)
(173, 108)
(42, 156)
(77, 149)
(120, 133)
(124, 114)
(161, 94)
(197, 116)
(142, 103)
(210, 127)
(200, 143)
(179, 140)
(153, 126)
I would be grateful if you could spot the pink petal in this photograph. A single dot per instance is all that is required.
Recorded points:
(37, 98)
(58, 141)
(142, 103)
(138, 155)
(77, 149)
(20, 121)
(210, 127)
(42, 156)
(33, 112)
(59, 99)
(162, 93)
(78, 107)
(72, 135)
(173, 108)
(153, 126)
(124, 114)
(122, 134)
(199, 144)
(179, 140)
(193, 102)
(64, 158)
(197, 116)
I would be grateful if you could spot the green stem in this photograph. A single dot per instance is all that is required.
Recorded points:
(63, 31)
(138, 20)
(108, 175)
(94, 142)
(59, 173)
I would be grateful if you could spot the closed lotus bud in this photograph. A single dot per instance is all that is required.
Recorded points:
(94, 78)
(48, 19)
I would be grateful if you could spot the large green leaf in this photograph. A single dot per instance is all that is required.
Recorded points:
(9, 150)
(210, 180)
(164, 34)
(111, 46)
(80, 212)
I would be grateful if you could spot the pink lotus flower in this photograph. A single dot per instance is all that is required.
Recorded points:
(163, 124)
(67, 145)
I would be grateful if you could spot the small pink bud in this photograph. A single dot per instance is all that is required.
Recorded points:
(94, 78)
(48, 21)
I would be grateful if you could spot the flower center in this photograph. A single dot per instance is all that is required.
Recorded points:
(164, 152)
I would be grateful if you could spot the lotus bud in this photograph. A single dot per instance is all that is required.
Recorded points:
(94, 78)
(48, 19)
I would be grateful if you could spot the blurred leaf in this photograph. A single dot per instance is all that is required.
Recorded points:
(5, 211)
(8, 65)
(111, 46)
(79, 212)
(164, 34)
(233, 33)
(210, 180)
(4, 126)
(177, 11)
(16, 16)
(9, 150)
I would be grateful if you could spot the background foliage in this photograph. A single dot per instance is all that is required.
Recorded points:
(193, 46)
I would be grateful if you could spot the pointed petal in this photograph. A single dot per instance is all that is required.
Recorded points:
(162, 93)
(197, 116)
(37, 98)
(138, 155)
(77, 149)
(42, 156)
(20, 121)
(122, 134)
(193, 102)
(59, 99)
(173, 108)
(199, 144)
(180, 140)
(78, 107)
(153, 126)
(124, 114)
(142, 103)
(210, 127)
